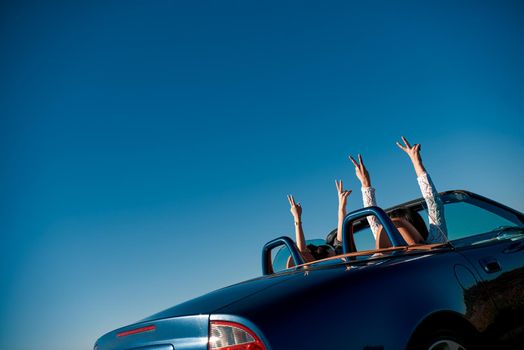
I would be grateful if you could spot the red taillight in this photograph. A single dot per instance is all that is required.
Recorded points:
(137, 330)
(224, 335)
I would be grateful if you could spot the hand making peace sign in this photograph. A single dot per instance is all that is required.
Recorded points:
(361, 171)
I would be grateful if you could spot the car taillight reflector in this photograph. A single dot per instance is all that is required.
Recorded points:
(137, 330)
(226, 335)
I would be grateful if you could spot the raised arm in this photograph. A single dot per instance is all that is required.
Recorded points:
(342, 202)
(296, 211)
(368, 192)
(437, 232)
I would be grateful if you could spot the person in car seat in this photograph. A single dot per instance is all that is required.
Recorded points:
(409, 223)
(313, 252)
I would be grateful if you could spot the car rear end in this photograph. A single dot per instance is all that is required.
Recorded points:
(187, 332)
(198, 332)
(197, 324)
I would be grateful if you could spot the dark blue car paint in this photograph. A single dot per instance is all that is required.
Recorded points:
(360, 305)
(184, 333)
(504, 286)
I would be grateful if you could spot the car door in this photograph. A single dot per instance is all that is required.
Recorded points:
(500, 266)
(492, 240)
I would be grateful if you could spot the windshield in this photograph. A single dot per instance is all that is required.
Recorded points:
(472, 220)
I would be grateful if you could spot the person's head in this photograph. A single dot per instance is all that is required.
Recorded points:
(321, 251)
(409, 224)
(412, 217)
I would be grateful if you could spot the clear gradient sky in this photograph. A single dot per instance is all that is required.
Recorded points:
(147, 147)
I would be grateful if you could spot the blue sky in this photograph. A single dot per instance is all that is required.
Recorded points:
(147, 147)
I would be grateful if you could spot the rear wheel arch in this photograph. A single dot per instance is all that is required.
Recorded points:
(444, 325)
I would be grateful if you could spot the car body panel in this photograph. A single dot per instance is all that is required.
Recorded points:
(182, 333)
(500, 267)
(213, 301)
(347, 290)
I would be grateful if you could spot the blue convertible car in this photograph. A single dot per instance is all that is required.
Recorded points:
(464, 294)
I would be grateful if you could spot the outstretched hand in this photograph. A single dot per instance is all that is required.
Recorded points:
(342, 195)
(412, 151)
(414, 154)
(361, 171)
(296, 208)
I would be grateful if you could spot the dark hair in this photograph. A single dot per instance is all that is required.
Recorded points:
(413, 218)
(319, 251)
(331, 238)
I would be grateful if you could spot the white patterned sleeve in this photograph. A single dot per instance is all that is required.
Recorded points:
(368, 199)
(437, 221)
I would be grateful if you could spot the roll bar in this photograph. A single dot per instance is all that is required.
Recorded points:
(267, 267)
(394, 236)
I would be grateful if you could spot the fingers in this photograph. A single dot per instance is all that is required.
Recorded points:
(353, 161)
(360, 160)
(401, 147)
(340, 187)
(417, 147)
(406, 142)
(291, 200)
(360, 163)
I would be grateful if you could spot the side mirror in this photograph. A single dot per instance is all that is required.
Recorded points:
(284, 243)
(394, 236)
